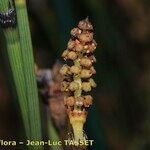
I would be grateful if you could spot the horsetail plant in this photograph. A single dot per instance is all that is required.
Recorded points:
(28, 65)
(77, 76)
(15, 60)
(20, 57)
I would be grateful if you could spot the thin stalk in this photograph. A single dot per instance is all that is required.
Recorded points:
(28, 66)
(52, 134)
(15, 60)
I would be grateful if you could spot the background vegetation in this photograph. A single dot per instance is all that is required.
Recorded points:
(119, 119)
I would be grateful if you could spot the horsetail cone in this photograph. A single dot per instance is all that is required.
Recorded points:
(77, 77)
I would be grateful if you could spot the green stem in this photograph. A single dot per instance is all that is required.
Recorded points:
(52, 134)
(28, 66)
(15, 60)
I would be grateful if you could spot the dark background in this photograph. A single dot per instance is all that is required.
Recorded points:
(120, 116)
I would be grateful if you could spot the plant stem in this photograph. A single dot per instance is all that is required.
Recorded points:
(15, 60)
(28, 66)
(52, 134)
(77, 79)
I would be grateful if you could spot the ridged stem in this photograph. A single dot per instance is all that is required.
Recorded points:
(15, 60)
(28, 66)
